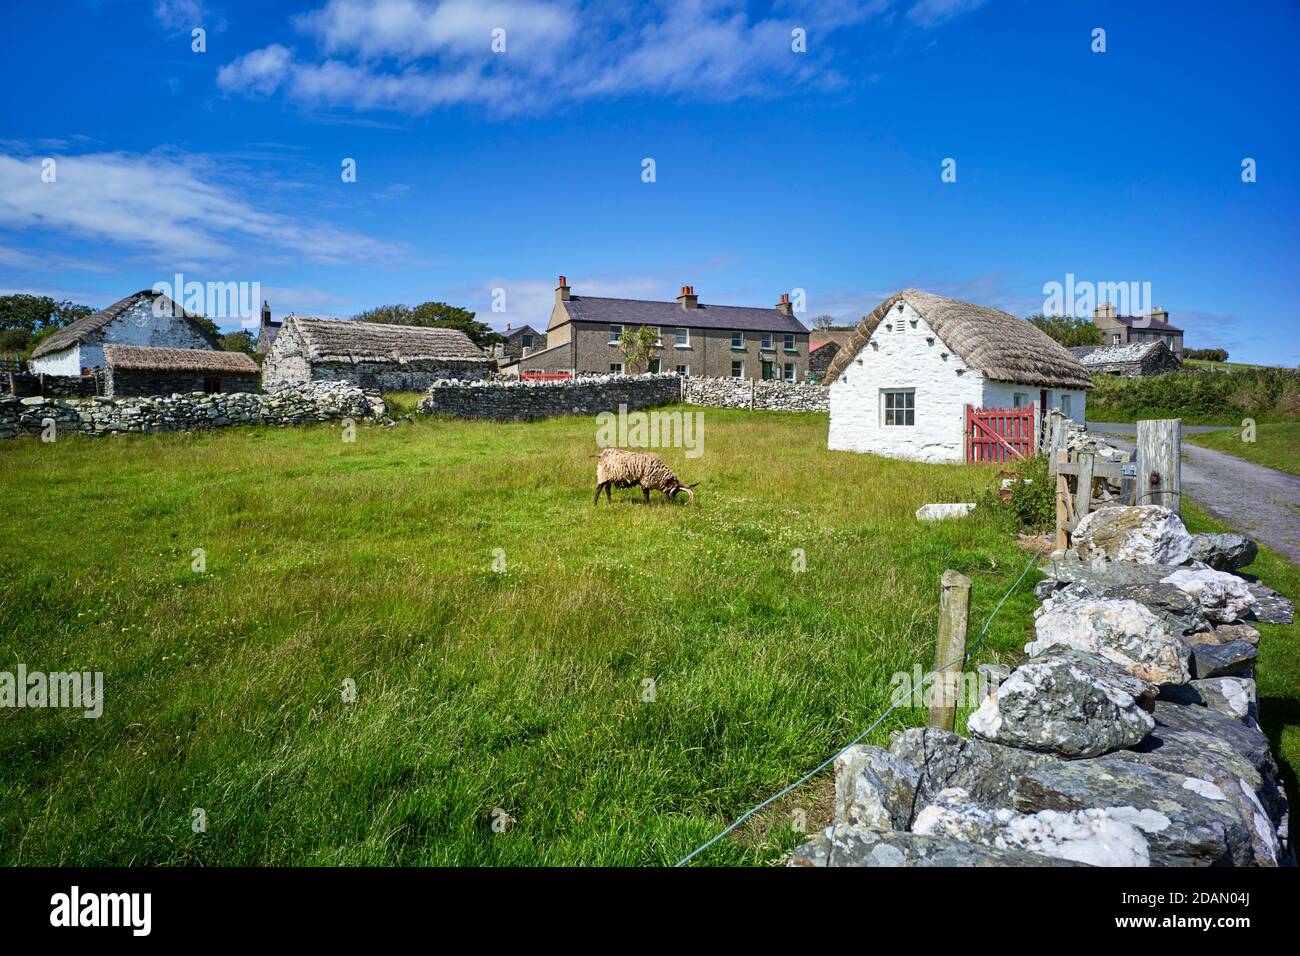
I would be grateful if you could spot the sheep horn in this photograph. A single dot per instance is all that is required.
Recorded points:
(689, 494)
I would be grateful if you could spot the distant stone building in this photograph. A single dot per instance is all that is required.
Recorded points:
(145, 318)
(695, 338)
(1128, 361)
(823, 346)
(139, 370)
(266, 331)
(1130, 329)
(399, 358)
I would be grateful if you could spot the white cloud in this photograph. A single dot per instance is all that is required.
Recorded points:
(416, 55)
(172, 208)
(181, 16)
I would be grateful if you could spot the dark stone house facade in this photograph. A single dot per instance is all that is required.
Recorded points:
(695, 338)
(133, 370)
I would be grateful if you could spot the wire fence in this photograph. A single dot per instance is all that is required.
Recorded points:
(975, 646)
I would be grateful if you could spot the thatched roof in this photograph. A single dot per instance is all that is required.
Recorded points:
(995, 343)
(77, 331)
(139, 358)
(1109, 354)
(334, 340)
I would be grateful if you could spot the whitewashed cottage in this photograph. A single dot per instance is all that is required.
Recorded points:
(901, 385)
(144, 318)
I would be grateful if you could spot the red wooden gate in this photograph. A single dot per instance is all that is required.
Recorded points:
(999, 434)
(546, 376)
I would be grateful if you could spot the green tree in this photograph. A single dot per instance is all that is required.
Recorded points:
(26, 319)
(240, 341)
(1068, 330)
(638, 347)
(434, 315)
(823, 323)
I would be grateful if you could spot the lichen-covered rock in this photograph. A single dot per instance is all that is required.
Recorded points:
(1175, 607)
(1224, 598)
(1092, 836)
(1233, 696)
(1270, 607)
(1186, 822)
(1224, 552)
(846, 845)
(1123, 632)
(985, 770)
(1223, 660)
(874, 789)
(1066, 702)
(1147, 534)
(1225, 633)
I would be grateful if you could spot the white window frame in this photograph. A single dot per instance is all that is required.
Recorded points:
(788, 372)
(789, 342)
(615, 368)
(734, 363)
(684, 371)
(734, 334)
(681, 334)
(1065, 404)
(767, 342)
(615, 336)
(884, 409)
(1018, 399)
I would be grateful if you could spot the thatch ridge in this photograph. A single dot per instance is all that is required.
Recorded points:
(144, 358)
(338, 340)
(995, 343)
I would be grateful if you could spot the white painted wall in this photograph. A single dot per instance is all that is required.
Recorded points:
(65, 362)
(1002, 395)
(904, 352)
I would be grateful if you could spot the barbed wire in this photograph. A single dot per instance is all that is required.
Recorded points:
(966, 654)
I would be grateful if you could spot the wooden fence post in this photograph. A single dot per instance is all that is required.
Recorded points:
(1083, 491)
(950, 650)
(1062, 503)
(1159, 469)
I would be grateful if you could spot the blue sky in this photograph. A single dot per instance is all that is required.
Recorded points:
(775, 170)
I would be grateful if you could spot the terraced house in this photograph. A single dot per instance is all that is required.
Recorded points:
(695, 338)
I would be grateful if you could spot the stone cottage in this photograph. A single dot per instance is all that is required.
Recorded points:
(145, 318)
(139, 370)
(1128, 361)
(1130, 329)
(695, 338)
(901, 385)
(398, 358)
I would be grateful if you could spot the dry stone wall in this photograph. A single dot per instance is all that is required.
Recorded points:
(514, 400)
(769, 395)
(291, 405)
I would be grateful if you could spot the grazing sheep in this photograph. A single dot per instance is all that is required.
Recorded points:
(617, 468)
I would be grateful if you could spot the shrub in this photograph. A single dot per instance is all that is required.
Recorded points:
(1199, 397)
(1031, 505)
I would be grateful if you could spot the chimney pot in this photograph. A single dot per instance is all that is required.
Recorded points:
(562, 290)
(687, 299)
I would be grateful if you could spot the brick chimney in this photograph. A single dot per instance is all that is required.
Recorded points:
(562, 290)
(266, 314)
(785, 306)
(1160, 314)
(688, 299)
(1103, 310)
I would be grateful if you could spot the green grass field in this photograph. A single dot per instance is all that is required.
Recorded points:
(522, 690)
(1276, 444)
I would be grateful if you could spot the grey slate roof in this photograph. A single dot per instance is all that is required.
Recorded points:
(996, 343)
(584, 308)
(335, 340)
(77, 331)
(1145, 322)
(146, 359)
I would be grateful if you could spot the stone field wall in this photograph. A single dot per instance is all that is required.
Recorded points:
(513, 400)
(292, 405)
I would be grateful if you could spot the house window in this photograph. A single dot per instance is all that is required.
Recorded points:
(1065, 406)
(766, 342)
(789, 371)
(212, 386)
(899, 406)
(1114, 339)
(789, 342)
(684, 370)
(738, 369)
(737, 340)
(1018, 400)
(767, 370)
(654, 365)
(683, 338)
(615, 368)
(528, 341)
(615, 332)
